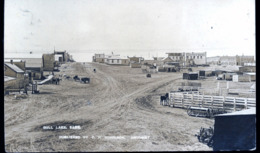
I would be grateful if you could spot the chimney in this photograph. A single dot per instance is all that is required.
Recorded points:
(11, 61)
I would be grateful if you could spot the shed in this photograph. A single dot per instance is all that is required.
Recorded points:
(193, 76)
(160, 69)
(135, 65)
(228, 76)
(235, 131)
(185, 76)
(208, 73)
(241, 78)
(10, 83)
(202, 73)
(13, 71)
(251, 75)
(247, 69)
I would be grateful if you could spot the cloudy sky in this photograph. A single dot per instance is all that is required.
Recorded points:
(129, 27)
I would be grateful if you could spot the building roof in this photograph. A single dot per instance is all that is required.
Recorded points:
(251, 111)
(114, 57)
(31, 62)
(168, 57)
(7, 78)
(15, 60)
(14, 67)
(251, 73)
(193, 73)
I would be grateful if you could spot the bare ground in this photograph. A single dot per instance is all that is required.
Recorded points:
(119, 101)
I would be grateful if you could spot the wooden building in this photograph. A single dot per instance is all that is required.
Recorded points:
(100, 58)
(11, 70)
(247, 69)
(34, 67)
(135, 65)
(10, 83)
(48, 61)
(188, 58)
(135, 59)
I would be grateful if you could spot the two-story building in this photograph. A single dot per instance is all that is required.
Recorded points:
(187, 58)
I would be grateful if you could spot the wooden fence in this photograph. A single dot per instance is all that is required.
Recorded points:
(196, 99)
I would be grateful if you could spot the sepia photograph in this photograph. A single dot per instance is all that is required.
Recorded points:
(129, 75)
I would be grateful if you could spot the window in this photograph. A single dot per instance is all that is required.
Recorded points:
(197, 57)
(112, 61)
(200, 57)
(187, 57)
(193, 57)
(118, 61)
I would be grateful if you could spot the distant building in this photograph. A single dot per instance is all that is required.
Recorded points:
(135, 59)
(65, 56)
(117, 60)
(231, 60)
(100, 58)
(188, 58)
(213, 60)
(241, 60)
(247, 69)
(228, 60)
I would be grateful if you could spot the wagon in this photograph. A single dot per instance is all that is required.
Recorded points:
(204, 112)
(85, 79)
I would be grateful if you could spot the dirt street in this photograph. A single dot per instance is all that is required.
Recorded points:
(119, 102)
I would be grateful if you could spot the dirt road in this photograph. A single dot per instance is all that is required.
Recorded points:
(120, 102)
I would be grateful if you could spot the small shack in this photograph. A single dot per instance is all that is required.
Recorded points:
(135, 65)
(160, 69)
(228, 76)
(191, 76)
(185, 76)
(247, 69)
(252, 76)
(235, 131)
(202, 73)
(10, 83)
(11, 70)
(241, 78)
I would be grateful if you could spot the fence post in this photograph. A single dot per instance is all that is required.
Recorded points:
(211, 101)
(182, 100)
(202, 101)
(192, 99)
(246, 103)
(234, 104)
(224, 99)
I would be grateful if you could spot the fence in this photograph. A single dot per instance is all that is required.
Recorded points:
(196, 99)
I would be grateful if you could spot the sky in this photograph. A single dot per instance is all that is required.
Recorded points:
(129, 27)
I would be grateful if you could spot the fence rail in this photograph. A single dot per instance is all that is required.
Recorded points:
(195, 99)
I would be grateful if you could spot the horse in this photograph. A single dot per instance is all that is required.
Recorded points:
(164, 98)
